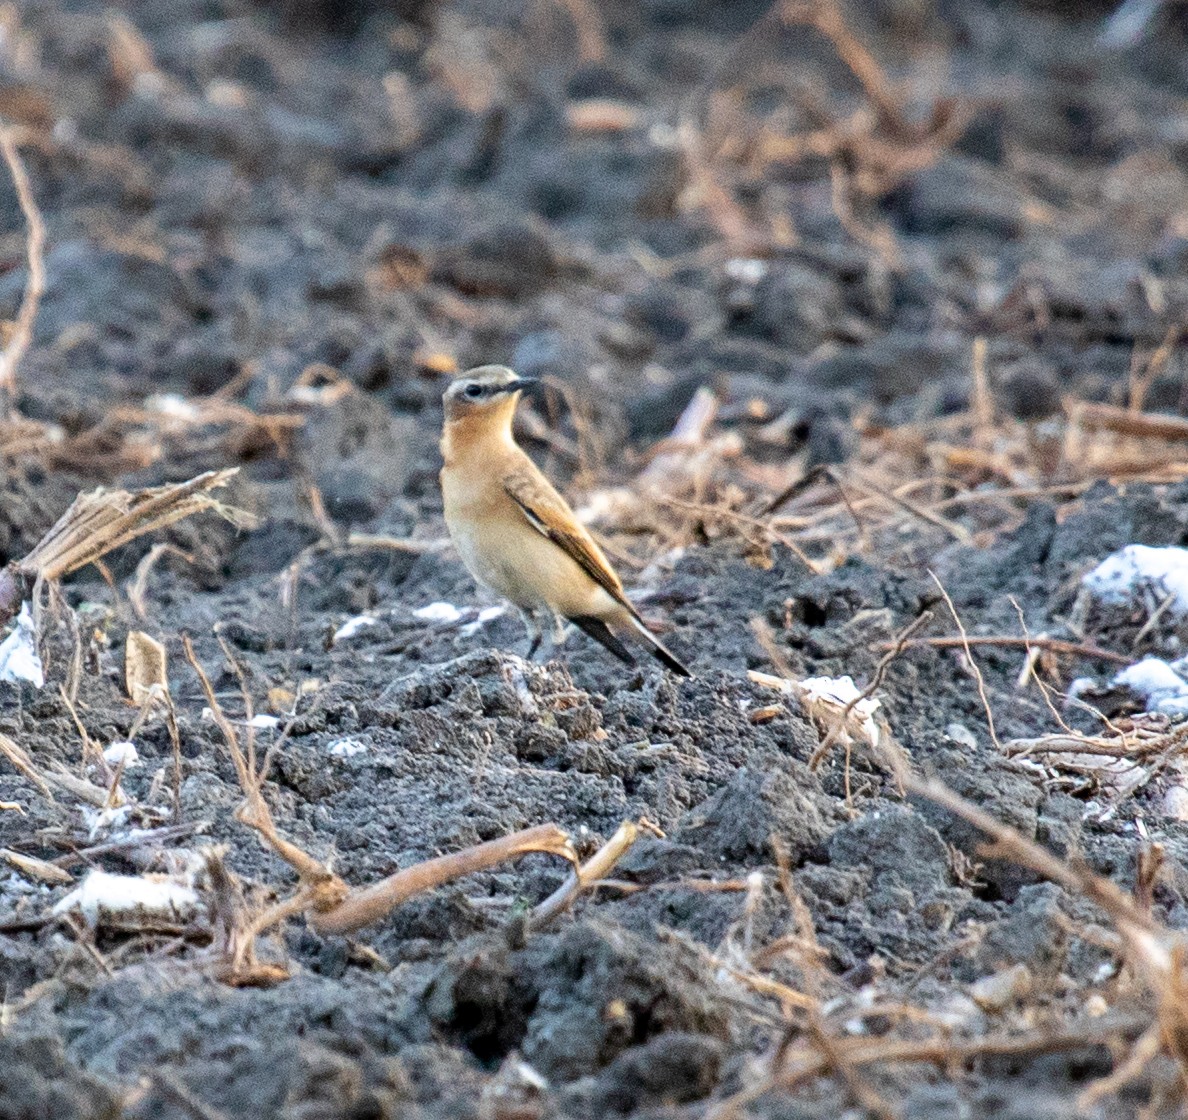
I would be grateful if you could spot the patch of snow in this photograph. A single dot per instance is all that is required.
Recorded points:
(487, 614)
(448, 614)
(959, 733)
(172, 404)
(122, 751)
(103, 895)
(748, 270)
(258, 722)
(351, 627)
(1119, 578)
(1080, 686)
(1161, 688)
(1150, 677)
(100, 820)
(838, 692)
(19, 659)
(438, 612)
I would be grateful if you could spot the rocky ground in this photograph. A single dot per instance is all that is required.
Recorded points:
(926, 261)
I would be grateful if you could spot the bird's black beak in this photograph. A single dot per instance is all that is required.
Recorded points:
(522, 383)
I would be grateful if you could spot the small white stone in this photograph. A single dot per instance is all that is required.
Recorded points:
(346, 748)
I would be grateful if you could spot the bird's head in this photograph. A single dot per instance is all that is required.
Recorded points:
(486, 391)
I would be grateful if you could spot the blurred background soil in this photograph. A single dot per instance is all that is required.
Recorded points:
(925, 262)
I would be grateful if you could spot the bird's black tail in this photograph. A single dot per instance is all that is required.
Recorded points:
(601, 633)
(658, 649)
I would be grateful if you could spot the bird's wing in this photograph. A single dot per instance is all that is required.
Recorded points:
(549, 514)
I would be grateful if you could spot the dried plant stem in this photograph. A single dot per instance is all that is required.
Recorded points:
(959, 533)
(943, 1051)
(22, 334)
(591, 32)
(983, 400)
(829, 20)
(1008, 641)
(977, 672)
(1144, 1050)
(136, 587)
(397, 544)
(707, 512)
(598, 866)
(171, 1085)
(47, 780)
(332, 906)
(767, 642)
(1139, 382)
(361, 908)
(141, 840)
(254, 811)
(1096, 416)
(23, 764)
(102, 520)
(811, 959)
(803, 1065)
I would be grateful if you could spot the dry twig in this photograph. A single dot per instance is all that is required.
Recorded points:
(973, 665)
(1013, 641)
(370, 904)
(1157, 955)
(22, 334)
(581, 878)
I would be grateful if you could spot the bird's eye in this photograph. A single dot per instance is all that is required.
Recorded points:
(474, 390)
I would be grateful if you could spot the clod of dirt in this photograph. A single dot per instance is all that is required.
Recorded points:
(40, 1081)
(1035, 932)
(737, 824)
(1030, 390)
(1010, 795)
(897, 845)
(676, 1068)
(796, 305)
(651, 860)
(509, 260)
(359, 455)
(958, 193)
(667, 313)
(572, 1003)
(895, 367)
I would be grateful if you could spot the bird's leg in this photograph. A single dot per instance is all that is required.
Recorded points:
(535, 633)
(560, 630)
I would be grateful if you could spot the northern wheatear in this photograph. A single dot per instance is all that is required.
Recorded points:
(516, 534)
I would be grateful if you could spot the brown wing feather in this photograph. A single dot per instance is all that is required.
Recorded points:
(549, 514)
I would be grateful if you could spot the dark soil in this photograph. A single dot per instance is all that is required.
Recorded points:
(346, 193)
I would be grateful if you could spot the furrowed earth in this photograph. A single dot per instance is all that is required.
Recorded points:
(272, 233)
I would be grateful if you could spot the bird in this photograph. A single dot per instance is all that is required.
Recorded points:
(516, 534)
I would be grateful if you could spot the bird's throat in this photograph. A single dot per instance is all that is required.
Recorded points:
(479, 436)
